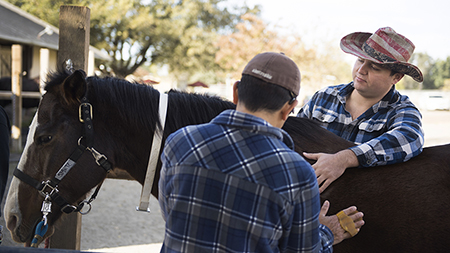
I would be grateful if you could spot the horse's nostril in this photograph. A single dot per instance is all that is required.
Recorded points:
(11, 224)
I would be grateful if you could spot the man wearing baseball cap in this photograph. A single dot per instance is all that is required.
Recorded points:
(369, 111)
(236, 184)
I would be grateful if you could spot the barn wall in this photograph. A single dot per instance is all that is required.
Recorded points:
(35, 67)
(5, 61)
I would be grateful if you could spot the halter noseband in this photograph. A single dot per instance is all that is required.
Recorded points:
(49, 188)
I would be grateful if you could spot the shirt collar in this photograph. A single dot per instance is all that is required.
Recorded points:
(391, 97)
(252, 123)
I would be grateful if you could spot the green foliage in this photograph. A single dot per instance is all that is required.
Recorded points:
(441, 74)
(47, 10)
(436, 74)
(253, 36)
(133, 32)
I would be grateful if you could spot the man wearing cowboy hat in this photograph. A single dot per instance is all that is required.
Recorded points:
(385, 125)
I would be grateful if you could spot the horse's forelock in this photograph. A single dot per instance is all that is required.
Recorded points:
(55, 79)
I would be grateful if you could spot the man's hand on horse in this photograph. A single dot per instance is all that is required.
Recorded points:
(335, 224)
(330, 167)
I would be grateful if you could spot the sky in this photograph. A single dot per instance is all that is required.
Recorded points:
(426, 23)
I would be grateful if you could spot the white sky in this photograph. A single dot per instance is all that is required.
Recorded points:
(426, 23)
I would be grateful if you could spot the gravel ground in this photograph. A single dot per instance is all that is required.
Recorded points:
(113, 225)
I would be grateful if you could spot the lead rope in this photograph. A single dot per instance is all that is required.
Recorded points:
(42, 226)
(153, 159)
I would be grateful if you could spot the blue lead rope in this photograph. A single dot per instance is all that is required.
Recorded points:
(41, 229)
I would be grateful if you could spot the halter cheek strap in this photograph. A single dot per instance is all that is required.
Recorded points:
(153, 159)
(49, 188)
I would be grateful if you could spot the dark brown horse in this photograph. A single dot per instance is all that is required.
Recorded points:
(405, 205)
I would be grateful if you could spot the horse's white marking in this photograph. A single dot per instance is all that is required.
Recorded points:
(12, 200)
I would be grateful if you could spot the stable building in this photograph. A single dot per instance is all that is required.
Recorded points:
(38, 39)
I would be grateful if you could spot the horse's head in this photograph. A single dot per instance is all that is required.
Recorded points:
(57, 161)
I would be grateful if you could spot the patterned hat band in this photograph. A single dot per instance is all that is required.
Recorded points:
(377, 55)
(390, 63)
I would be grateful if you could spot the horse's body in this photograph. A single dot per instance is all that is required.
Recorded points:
(405, 204)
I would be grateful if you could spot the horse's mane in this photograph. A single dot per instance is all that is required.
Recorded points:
(310, 137)
(137, 103)
(191, 108)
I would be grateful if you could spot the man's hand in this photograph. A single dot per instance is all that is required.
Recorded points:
(332, 222)
(330, 167)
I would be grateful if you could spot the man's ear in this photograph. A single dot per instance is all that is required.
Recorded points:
(398, 77)
(287, 109)
(235, 92)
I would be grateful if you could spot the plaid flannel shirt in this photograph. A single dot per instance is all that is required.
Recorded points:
(236, 185)
(388, 132)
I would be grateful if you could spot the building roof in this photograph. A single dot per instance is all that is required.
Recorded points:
(18, 26)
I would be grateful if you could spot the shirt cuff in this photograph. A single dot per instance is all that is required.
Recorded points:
(326, 237)
(365, 154)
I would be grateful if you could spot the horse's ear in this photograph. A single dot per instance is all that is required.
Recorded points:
(74, 87)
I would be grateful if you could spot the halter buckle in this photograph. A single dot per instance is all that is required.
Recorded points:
(47, 185)
(88, 110)
(68, 208)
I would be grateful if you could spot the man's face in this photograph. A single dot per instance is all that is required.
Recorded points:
(373, 80)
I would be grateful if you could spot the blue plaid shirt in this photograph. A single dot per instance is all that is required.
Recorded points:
(388, 132)
(236, 185)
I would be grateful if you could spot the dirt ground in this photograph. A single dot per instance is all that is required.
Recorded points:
(113, 225)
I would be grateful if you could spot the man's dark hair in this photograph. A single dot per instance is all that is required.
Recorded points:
(393, 72)
(257, 94)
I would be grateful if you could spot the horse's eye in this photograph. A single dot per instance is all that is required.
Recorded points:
(44, 139)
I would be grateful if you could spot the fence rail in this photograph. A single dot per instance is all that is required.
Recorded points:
(25, 94)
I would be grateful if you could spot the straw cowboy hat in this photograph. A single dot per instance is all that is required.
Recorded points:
(385, 47)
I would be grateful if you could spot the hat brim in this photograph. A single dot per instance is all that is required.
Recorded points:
(353, 44)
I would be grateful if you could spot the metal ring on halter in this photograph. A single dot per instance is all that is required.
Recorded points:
(84, 202)
(79, 141)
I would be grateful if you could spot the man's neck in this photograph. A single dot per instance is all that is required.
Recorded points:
(356, 104)
(273, 118)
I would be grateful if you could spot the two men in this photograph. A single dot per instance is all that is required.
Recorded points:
(236, 184)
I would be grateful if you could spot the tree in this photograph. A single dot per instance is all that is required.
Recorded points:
(134, 32)
(425, 63)
(254, 36)
(441, 74)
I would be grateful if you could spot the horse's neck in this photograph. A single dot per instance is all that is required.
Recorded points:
(192, 109)
(310, 137)
(132, 139)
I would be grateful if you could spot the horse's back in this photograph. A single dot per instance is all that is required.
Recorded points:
(400, 202)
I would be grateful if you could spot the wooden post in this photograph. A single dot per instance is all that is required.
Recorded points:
(74, 22)
(16, 89)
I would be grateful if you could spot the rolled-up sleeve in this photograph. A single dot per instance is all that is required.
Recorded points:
(403, 140)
